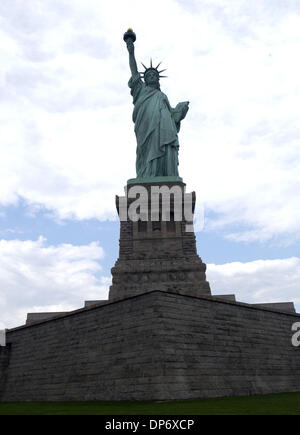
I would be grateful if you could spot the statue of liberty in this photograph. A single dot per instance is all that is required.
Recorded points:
(156, 122)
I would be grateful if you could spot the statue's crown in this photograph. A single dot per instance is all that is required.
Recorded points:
(152, 68)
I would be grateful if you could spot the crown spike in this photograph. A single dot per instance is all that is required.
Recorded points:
(151, 67)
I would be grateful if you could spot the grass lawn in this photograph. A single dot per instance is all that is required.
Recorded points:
(273, 404)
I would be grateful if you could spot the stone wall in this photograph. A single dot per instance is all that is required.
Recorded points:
(4, 360)
(226, 349)
(155, 346)
(101, 352)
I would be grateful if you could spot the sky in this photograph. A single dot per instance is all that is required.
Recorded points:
(67, 143)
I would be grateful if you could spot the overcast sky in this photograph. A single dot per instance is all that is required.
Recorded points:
(67, 143)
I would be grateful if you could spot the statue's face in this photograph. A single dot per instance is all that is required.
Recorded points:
(151, 78)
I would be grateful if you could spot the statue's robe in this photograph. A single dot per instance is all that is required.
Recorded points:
(155, 129)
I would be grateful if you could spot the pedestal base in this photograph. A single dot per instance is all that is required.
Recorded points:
(162, 180)
(159, 254)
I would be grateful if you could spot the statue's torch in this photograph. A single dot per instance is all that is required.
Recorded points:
(129, 35)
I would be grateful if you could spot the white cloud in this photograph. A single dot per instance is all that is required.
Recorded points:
(37, 277)
(258, 281)
(67, 138)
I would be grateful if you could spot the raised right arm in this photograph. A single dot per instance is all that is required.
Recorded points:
(132, 61)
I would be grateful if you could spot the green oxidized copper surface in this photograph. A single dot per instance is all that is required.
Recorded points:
(156, 123)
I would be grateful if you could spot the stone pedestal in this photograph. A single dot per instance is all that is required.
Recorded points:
(157, 253)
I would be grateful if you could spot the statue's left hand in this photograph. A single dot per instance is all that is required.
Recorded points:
(181, 110)
(185, 108)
